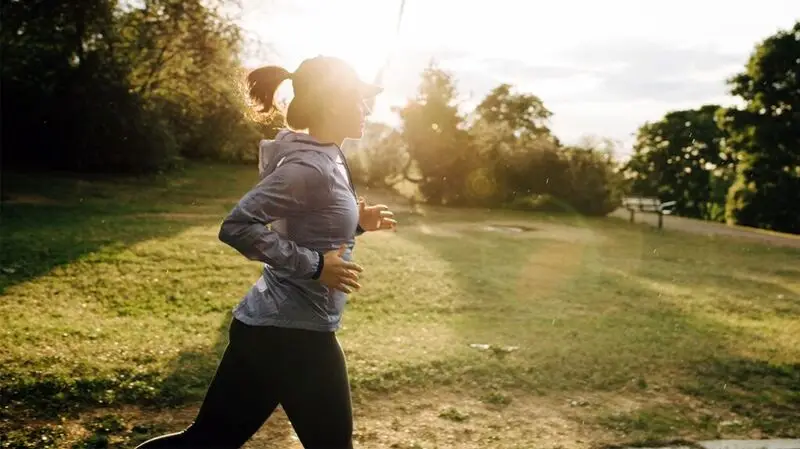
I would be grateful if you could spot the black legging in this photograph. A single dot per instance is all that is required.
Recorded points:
(262, 367)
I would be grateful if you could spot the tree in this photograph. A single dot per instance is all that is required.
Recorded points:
(514, 145)
(524, 115)
(121, 86)
(682, 158)
(68, 92)
(593, 180)
(184, 59)
(434, 138)
(765, 136)
(506, 156)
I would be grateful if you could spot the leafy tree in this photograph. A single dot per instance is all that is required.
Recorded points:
(593, 179)
(493, 145)
(69, 95)
(184, 59)
(682, 158)
(523, 114)
(765, 136)
(514, 144)
(504, 156)
(434, 138)
(122, 86)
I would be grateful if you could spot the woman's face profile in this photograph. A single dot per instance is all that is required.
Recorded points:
(349, 116)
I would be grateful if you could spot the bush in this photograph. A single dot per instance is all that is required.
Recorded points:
(547, 177)
(593, 183)
(534, 175)
(767, 205)
(538, 203)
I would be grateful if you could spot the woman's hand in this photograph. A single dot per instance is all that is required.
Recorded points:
(374, 218)
(338, 273)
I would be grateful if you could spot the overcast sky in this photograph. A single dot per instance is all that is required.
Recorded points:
(602, 67)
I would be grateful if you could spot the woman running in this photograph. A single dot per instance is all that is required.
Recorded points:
(282, 347)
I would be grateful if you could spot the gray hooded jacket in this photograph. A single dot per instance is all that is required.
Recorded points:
(303, 206)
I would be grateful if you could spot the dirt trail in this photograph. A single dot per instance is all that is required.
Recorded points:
(417, 419)
(682, 224)
(709, 228)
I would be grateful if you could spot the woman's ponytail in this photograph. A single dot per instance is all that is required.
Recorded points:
(263, 82)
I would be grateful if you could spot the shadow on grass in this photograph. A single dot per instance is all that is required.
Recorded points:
(570, 321)
(37, 239)
(187, 381)
(192, 370)
(50, 221)
(580, 328)
(765, 393)
(32, 396)
(738, 395)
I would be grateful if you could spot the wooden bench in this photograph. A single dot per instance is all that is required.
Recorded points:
(648, 204)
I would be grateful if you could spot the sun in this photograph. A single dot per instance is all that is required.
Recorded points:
(362, 32)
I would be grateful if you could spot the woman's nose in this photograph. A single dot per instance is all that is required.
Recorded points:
(366, 107)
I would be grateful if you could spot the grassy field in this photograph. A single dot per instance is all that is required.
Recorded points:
(115, 298)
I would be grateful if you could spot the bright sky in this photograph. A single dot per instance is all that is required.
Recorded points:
(602, 67)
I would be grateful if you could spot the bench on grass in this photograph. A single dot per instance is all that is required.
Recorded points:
(648, 204)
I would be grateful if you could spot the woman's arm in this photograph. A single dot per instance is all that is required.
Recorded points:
(284, 192)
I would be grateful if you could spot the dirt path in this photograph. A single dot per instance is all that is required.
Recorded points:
(709, 229)
(681, 224)
(415, 420)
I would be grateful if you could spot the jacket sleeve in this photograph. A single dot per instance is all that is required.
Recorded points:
(287, 191)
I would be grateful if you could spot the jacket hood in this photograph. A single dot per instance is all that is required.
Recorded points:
(272, 151)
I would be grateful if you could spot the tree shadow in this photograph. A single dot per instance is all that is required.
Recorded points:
(590, 330)
(585, 327)
(190, 373)
(187, 379)
(37, 239)
(757, 390)
(573, 325)
(189, 376)
(50, 220)
(735, 394)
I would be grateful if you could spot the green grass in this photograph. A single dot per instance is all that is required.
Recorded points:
(116, 293)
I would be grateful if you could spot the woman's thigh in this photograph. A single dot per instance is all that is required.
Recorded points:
(316, 393)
